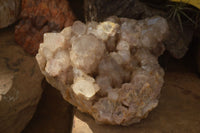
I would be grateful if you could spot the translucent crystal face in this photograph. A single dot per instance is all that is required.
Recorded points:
(110, 69)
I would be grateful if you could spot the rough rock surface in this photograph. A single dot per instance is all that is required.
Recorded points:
(20, 85)
(38, 17)
(178, 41)
(9, 12)
(109, 69)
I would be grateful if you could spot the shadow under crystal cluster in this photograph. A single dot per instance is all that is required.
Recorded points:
(109, 69)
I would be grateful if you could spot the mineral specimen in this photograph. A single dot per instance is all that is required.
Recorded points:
(109, 69)
(38, 17)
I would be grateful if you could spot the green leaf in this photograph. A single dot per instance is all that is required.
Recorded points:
(184, 14)
(180, 22)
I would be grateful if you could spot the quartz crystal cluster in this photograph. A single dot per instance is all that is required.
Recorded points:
(109, 69)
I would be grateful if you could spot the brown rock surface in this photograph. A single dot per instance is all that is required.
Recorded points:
(109, 69)
(9, 12)
(198, 58)
(39, 17)
(178, 110)
(20, 85)
(178, 41)
(196, 42)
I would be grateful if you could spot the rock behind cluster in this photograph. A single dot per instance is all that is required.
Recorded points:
(38, 17)
(110, 69)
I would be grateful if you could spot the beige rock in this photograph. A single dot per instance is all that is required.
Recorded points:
(109, 69)
(20, 85)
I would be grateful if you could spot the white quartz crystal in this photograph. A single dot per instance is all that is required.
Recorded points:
(109, 69)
